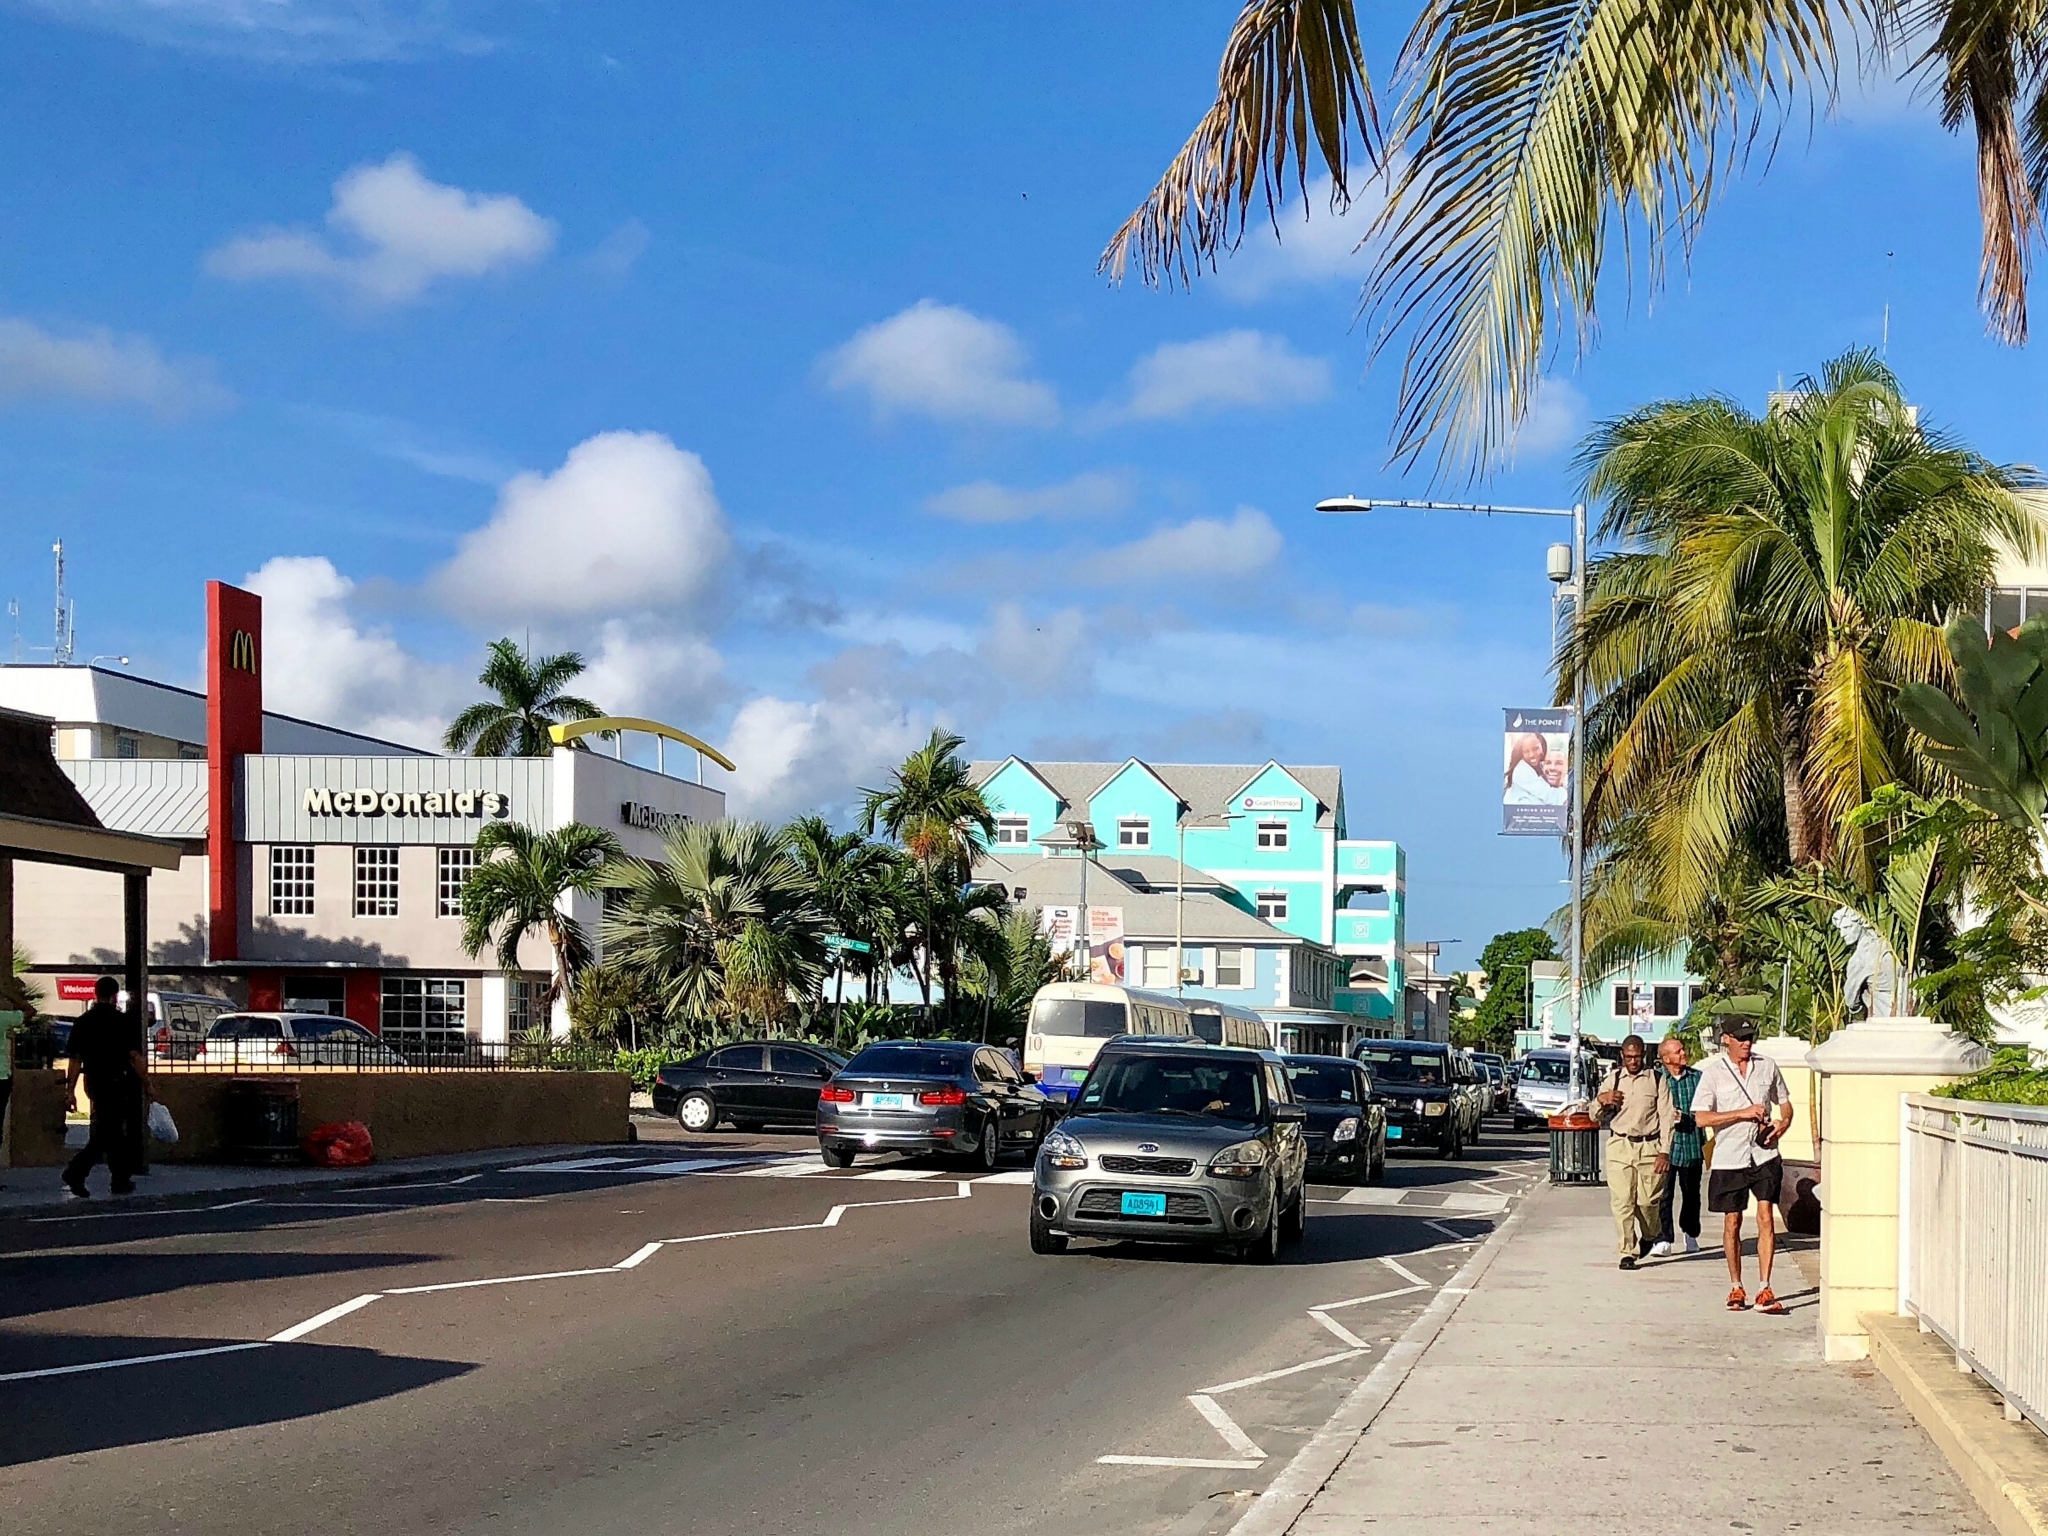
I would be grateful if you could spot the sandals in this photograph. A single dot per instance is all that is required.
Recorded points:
(1737, 1301)
(1767, 1301)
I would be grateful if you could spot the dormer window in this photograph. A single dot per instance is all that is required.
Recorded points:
(1134, 832)
(1012, 831)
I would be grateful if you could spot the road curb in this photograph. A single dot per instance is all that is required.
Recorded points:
(1289, 1495)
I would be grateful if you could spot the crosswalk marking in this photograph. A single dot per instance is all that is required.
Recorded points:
(900, 1173)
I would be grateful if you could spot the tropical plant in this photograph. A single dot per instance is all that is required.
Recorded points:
(2011, 1078)
(1525, 140)
(1785, 577)
(19, 993)
(1996, 740)
(725, 924)
(609, 1002)
(853, 881)
(517, 889)
(998, 995)
(934, 809)
(529, 700)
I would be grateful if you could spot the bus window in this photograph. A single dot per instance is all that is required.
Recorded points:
(1072, 1016)
(1206, 1026)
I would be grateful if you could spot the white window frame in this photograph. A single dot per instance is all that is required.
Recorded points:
(458, 861)
(1272, 836)
(1134, 832)
(292, 888)
(1272, 906)
(1157, 957)
(422, 1013)
(1247, 968)
(1013, 831)
(377, 881)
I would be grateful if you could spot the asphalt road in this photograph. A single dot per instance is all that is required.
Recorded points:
(804, 1351)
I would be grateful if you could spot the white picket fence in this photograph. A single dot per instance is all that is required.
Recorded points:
(1973, 1239)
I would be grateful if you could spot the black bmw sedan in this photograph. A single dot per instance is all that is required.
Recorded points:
(750, 1083)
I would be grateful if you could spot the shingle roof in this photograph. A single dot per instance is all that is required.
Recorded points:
(155, 797)
(1207, 788)
(30, 783)
(1148, 907)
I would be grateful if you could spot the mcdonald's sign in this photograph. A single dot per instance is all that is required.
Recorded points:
(242, 652)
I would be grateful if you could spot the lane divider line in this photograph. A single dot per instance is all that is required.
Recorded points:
(1403, 1271)
(1285, 1370)
(109, 1365)
(1338, 1329)
(314, 1324)
(1226, 1426)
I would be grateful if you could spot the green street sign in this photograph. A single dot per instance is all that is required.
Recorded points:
(833, 941)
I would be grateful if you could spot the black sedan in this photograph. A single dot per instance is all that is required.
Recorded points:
(1347, 1126)
(750, 1083)
(946, 1096)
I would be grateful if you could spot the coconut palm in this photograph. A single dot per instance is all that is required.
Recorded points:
(1527, 141)
(1785, 576)
(724, 924)
(529, 700)
(517, 888)
(847, 875)
(933, 808)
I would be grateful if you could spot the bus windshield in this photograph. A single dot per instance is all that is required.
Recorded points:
(1072, 1016)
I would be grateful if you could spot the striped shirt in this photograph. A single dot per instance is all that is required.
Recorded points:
(1688, 1142)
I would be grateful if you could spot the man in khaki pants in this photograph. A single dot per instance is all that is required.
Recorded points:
(1635, 1105)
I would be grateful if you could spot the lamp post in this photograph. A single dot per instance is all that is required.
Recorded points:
(1577, 578)
(1082, 830)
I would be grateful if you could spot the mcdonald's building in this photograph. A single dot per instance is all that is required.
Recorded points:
(323, 869)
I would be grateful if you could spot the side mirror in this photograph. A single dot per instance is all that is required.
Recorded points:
(1289, 1114)
(1030, 1077)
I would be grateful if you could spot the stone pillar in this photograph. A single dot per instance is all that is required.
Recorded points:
(1801, 1144)
(1863, 1070)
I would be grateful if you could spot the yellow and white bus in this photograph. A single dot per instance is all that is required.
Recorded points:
(1071, 1019)
(1229, 1024)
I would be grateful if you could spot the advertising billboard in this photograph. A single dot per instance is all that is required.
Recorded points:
(1106, 945)
(1536, 773)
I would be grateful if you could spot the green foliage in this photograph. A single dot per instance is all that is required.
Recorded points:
(1000, 995)
(1506, 961)
(610, 1003)
(516, 889)
(529, 700)
(1996, 740)
(2012, 1078)
(643, 1064)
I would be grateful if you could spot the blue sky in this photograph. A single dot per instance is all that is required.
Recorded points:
(759, 354)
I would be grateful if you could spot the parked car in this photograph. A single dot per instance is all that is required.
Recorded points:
(1431, 1093)
(1500, 1080)
(930, 1096)
(177, 1022)
(292, 1040)
(1347, 1125)
(750, 1083)
(1177, 1141)
(1542, 1084)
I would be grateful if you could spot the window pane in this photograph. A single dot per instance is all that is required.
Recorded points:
(737, 1058)
(291, 882)
(2005, 608)
(1667, 1002)
(455, 865)
(795, 1063)
(1621, 1002)
(423, 1013)
(376, 882)
(1230, 968)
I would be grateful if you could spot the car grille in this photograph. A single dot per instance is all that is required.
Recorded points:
(1107, 1205)
(1164, 1167)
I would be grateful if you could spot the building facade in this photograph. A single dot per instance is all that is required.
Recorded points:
(323, 869)
(1650, 998)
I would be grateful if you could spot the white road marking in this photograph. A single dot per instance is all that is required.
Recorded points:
(1176, 1461)
(1009, 1176)
(320, 1320)
(237, 1204)
(575, 1165)
(1225, 1426)
(688, 1165)
(790, 1169)
(900, 1173)
(115, 1365)
(1286, 1370)
(1403, 1271)
(1448, 1231)
(1338, 1329)
(1359, 1301)
(638, 1257)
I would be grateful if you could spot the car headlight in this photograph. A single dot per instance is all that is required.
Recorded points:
(1063, 1151)
(1239, 1161)
(1435, 1109)
(1347, 1130)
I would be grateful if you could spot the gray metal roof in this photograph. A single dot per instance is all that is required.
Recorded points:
(153, 796)
(1148, 907)
(1207, 788)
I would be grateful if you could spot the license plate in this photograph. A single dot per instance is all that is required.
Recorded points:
(1393, 1133)
(886, 1100)
(1144, 1205)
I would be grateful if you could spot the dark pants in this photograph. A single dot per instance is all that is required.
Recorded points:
(1685, 1182)
(117, 1130)
(6, 1087)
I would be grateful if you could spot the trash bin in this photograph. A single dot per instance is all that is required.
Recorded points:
(1575, 1150)
(261, 1120)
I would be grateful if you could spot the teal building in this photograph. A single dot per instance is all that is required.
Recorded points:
(1268, 839)
(1649, 998)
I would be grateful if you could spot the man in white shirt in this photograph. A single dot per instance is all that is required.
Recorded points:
(1743, 1100)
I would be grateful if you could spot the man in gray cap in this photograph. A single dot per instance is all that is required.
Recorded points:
(1743, 1100)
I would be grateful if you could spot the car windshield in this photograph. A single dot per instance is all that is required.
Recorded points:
(1422, 1069)
(1151, 1085)
(906, 1061)
(1323, 1085)
(1072, 1016)
(1546, 1069)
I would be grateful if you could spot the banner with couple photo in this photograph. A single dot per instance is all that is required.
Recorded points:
(1536, 773)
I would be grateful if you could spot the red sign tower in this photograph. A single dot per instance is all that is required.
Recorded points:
(234, 728)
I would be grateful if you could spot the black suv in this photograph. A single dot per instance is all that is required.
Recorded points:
(1432, 1093)
(751, 1083)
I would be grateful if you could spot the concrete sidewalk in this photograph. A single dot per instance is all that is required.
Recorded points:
(1566, 1394)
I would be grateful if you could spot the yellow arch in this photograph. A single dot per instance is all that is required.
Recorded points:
(562, 735)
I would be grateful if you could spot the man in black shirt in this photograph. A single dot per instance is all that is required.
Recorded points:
(106, 1049)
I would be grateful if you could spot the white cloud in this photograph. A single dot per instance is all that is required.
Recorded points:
(1314, 246)
(394, 233)
(1556, 417)
(100, 368)
(984, 501)
(320, 665)
(1232, 369)
(620, 251)
(630, 521)
(644, 669)
(1203, 549)
(277, 31)
(940, 361)
(1044, 656)
(795, 757)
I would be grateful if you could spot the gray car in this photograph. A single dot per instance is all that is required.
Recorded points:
(929, 1096)
(1177, 1142)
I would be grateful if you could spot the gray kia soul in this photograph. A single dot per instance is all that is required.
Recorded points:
(1175, 1142)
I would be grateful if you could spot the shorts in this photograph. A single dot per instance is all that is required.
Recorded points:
(1729, 1189)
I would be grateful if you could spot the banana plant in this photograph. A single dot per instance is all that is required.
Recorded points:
(1996, 740)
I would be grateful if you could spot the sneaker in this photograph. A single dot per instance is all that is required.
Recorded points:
(1628, 1261)
(76, 1191)
(1660, 1250)
(1692, 1244)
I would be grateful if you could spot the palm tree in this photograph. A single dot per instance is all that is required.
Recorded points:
(933, 807)
(725, 924)
(517, 887)
(530, 699)
(1784, 577)
(847, 873)
(1526, 138)
(1007, 984)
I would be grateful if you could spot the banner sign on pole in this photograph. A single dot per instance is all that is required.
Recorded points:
(1106, 945)
(1536, 777)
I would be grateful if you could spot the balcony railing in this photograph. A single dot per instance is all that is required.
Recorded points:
(1973, 1239)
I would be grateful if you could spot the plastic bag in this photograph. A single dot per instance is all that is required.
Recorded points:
(161, 1126)
(344, 1144)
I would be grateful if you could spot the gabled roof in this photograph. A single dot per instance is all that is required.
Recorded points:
(1148, 908)
(983, 772)
(1206, 788)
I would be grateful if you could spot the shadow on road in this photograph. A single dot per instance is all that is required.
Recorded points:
(70, 1415)
(33, 1283)
(1336, 1238)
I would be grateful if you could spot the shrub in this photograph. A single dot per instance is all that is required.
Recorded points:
(2012, 1078)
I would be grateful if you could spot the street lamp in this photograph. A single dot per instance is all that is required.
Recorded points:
(1576, 577)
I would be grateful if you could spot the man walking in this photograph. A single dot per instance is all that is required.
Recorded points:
(1635, 1105)
(106, 1050)
(1743, 1100)
(1688, 1146)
